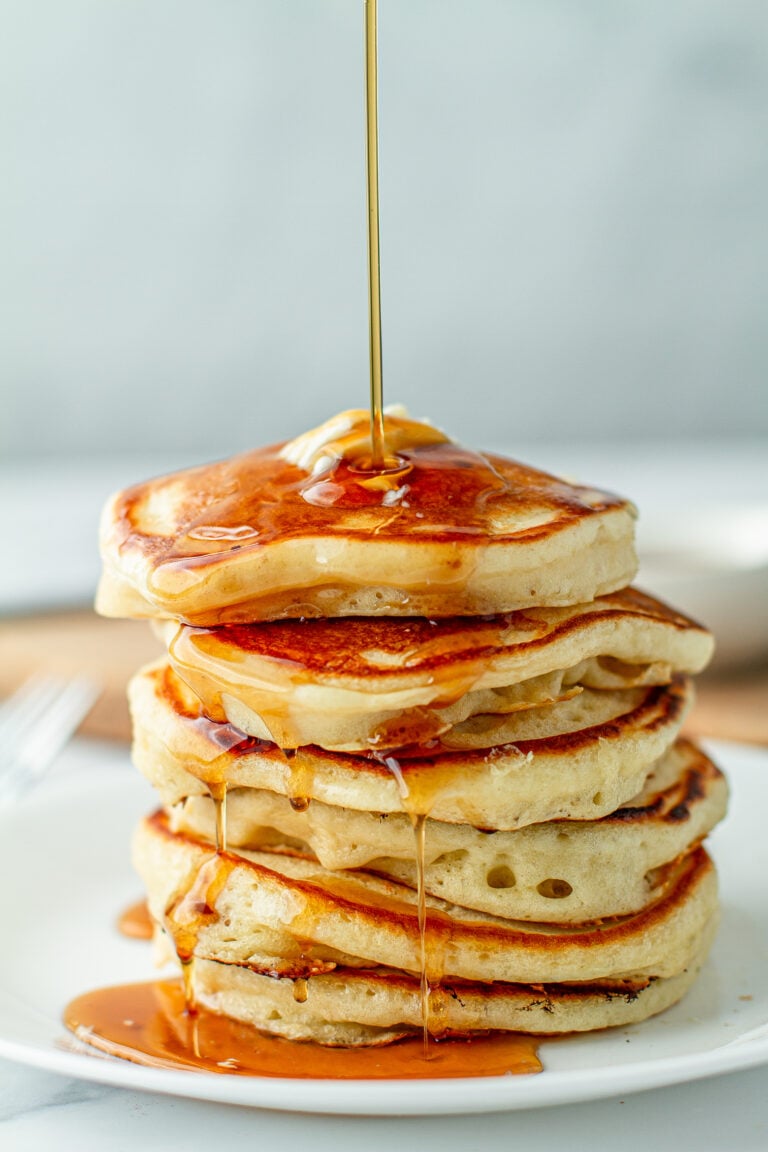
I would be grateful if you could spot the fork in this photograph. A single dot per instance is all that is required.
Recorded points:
(35, 724)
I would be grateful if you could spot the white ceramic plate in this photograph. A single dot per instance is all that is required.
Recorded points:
(64, 862)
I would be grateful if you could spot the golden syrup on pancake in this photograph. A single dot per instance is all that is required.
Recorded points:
(300, 989)
(279, 501)
(433, 936)
(435, 490)
(425, 770)
(419, 828)
(289, 653)
(419, 781)
(148, 1024)
(135, 922)
(301, 777)
(218, 794)
(453, 649)
(222, 740)
(226, 741)
(192, 910)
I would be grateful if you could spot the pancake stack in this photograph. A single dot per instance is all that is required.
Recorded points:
(416, 741)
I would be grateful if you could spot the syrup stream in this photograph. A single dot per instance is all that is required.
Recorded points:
(374, 279)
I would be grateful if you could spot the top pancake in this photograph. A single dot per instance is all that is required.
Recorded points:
(304, 530)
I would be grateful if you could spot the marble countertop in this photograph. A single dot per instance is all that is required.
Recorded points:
(50, 1113)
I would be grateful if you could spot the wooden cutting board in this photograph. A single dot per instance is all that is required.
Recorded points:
(69, 643)
(66, 643)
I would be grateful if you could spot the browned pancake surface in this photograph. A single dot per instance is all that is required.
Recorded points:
(273, 533)
(385, 647)
(258, 498)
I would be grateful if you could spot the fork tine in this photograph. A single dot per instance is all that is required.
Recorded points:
(28, 703)
(37, 721)
(61, 719)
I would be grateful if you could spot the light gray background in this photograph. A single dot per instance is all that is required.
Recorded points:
(574, 223)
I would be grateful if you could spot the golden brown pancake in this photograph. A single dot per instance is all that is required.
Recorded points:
(579, 759)
(562, 870)
(423, 686)
(375, 682)
(354, 1006)
(238, 908)
(303, 530)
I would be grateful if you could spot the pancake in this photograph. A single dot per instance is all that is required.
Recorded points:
(580, 759)
(375, 682)
(417, 742)
(232, 908)
(567, 871)
(352, 1006)
(303, 529)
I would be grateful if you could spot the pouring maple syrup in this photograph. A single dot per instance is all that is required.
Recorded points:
(378, 446)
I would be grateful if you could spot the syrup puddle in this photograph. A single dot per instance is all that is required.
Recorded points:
(148, 1024)
(135, 922)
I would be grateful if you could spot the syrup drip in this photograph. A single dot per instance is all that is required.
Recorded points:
(191, 911)
(135, 922)
(218, 793)
(188, 983)
(429, 971)
(148, 1024)
(378, 459)
(300, 779)
(419, 829)
(414, 769)
(195, 906)
(300, 989)
(222, 738)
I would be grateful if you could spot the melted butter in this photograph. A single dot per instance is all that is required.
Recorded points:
(345, 437)
(148, 1024)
